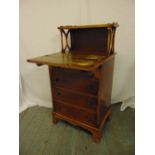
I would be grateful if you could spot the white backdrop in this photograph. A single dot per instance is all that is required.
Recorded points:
(39, 20)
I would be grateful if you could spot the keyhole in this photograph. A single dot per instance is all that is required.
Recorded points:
(57, 79)
(58, 93)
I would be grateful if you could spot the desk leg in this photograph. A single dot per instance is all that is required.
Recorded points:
(54, 119)
(96, 135)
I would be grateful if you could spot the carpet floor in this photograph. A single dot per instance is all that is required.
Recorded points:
(38, 136)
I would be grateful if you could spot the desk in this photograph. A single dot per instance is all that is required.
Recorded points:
(81, 76)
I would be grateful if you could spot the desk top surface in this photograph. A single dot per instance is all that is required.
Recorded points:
(75, 60)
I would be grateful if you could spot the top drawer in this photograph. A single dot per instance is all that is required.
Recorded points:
(74, 79)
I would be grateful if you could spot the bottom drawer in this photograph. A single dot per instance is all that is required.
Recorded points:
(75, 113)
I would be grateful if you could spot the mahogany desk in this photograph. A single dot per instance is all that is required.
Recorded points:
(81, 76)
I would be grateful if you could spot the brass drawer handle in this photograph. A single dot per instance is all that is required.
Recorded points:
(90, 87)
(91, 75)
(89, 119)
(58, 93)
(89, 103)
(57, 79)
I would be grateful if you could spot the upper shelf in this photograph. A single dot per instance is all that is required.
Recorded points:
(89, 26)
(88, 38)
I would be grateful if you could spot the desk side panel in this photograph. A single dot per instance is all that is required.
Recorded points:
(105, 88)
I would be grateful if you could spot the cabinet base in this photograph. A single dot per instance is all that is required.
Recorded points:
(96, 132)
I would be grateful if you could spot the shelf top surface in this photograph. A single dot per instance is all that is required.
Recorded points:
(75, 60)
(88, 26)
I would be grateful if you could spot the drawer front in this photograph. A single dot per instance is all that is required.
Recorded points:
(74, 113)
(75, 99)
(75, 80)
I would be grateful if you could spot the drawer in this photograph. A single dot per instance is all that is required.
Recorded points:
(75, 99)
(75, 80)
(74, 113)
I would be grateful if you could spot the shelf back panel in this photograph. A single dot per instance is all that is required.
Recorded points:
(91, 39)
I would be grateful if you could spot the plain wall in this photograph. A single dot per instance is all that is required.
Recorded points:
(39, 35)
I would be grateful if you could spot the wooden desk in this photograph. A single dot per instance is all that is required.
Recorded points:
(81, 76)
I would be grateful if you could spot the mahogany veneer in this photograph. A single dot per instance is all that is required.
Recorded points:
(81, 76)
